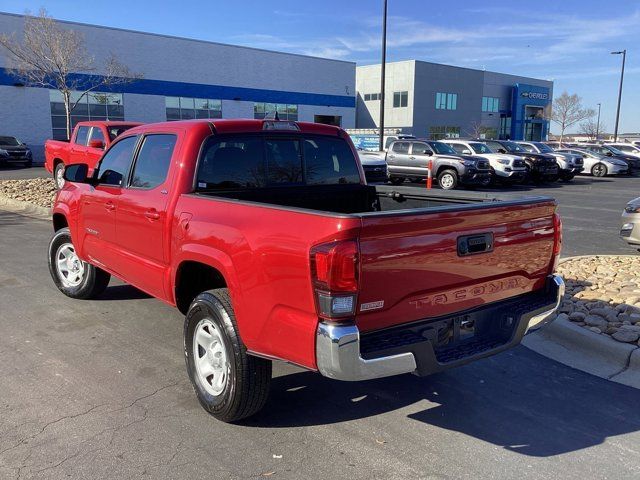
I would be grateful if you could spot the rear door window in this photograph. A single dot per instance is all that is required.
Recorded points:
(401, 147)
(152, 163)
(81, 135)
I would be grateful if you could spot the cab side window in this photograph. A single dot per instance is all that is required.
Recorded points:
(81, 136)
(459, 148)
(96, 134)
(420, 148)
(401, 147)
(152, 162)
(528, 148)
(115, 164)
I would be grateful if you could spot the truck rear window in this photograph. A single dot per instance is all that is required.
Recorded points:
(254, 161)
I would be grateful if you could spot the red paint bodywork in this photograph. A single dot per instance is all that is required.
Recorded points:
(56, 151)
(408, 260)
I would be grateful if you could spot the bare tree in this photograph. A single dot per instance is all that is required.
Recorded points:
(477, 130)
(591, 128)
(52, 57)
(568, 110)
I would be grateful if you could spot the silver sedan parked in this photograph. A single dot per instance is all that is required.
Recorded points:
(596, 164)
(630, 229)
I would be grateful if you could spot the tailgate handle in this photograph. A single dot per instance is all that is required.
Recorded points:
(473, 244)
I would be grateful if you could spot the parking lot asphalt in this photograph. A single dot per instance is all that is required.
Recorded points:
(21, 173)
(98, 389)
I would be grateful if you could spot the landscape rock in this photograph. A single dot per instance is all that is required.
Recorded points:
(38, 191)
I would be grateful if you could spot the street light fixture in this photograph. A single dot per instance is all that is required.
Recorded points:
(382, 73)
(624, 57)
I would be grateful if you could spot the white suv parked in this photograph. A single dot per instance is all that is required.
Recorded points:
(627, 148)
(505, 167)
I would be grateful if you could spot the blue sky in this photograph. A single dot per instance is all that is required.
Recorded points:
(567, 41)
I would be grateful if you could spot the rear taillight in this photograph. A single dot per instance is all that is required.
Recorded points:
(557, 241)
(334, 273)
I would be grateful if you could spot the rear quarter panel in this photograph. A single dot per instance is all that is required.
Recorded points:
(263, 252)
(55, 149)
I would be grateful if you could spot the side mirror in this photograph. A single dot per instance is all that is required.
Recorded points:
(76, 173)
(502, 150)
(428, 153)
(96, 144)
(609, 154)
(466, 151)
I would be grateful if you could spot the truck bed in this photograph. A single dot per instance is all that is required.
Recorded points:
(416, 246)
(369, 200)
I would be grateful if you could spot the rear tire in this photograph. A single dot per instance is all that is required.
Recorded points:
(396, 180)
(599, 170)
(58, 175)
(448, 179)
(230, 384)
(72, 276)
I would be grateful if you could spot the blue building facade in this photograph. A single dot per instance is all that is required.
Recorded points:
(530, 108)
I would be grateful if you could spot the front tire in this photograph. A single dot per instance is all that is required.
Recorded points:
(72, 276)
(58, 175)
(599, 170)
(230, 384)
(448, 179)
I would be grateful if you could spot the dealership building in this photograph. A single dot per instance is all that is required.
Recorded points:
(441, 101)
(180, 79)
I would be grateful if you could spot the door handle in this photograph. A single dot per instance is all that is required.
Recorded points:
(110, 206)
(392, 156)
(152, 215)
(412, 158)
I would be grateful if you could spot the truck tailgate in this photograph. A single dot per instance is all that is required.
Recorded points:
(420, 265)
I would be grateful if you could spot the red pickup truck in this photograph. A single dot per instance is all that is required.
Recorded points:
(266, 235)
(87, 144)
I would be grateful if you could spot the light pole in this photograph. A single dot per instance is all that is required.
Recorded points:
(382, 75)
(624, 57)
(598, 125)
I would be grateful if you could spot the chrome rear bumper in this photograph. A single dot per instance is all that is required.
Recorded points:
(338, 346)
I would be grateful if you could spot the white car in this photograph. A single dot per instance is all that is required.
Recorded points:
(507, 168)
(596, 164)
(627, 148)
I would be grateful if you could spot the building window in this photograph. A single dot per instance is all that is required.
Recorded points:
(490, 104)
(505, 127)
(285, 111)
(446, 101)
(92, 106)
(400, 99)
(438, 133)
(185, 108)
(368, 97)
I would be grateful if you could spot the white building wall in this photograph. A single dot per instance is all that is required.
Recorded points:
(197, 66)
(25, 113)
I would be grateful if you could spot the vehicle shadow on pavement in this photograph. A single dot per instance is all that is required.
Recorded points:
(122, 292)
(517, 400)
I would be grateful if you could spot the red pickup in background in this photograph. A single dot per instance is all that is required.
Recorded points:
(88, 142)
(266, 235)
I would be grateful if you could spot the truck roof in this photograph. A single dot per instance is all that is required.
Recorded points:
(108, 123)
(241, 126)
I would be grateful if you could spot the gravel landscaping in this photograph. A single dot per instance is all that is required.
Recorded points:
(603, 295)
(38, 191)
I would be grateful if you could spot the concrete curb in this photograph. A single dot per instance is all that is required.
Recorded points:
(24, 208)
(590, 352)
